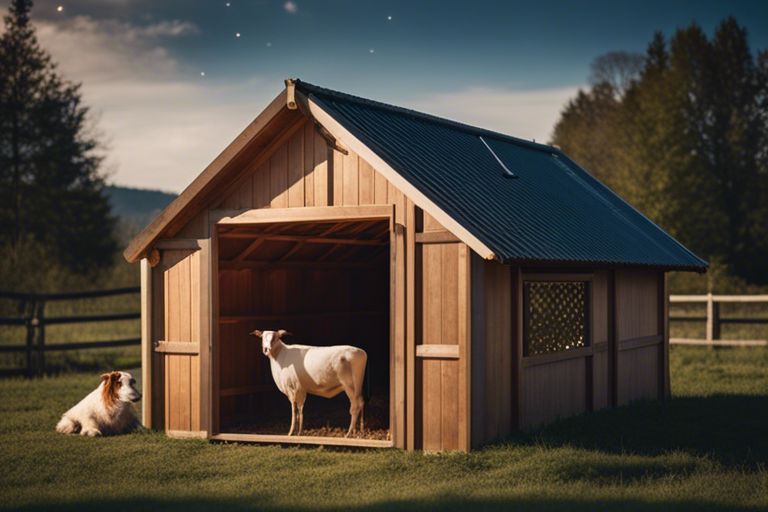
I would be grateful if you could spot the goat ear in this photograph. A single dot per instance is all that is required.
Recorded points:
(256, 333)
(283, 332)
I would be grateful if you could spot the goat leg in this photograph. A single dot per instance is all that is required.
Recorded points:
(293, 417)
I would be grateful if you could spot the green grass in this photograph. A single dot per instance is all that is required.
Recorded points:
(706, 449)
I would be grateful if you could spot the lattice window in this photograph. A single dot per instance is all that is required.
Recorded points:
(556, 316)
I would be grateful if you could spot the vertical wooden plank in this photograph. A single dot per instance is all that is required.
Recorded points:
(158, 333)
(184, 392)
(278, 177)
(245, 192)
(464, 312)
(400, 301)
(431, 409)
(323, 172)
(350, 189)
(613, 353)
(449, 300)
(338, 178)
(194, 297)
(215, 329)
(431, 294)
(663, 325)
(309, 164)
(146, 343)
(412, 274)
(450, 418)
(517, 350)
(205, 335)
(380, 187)
(296, 169)
(184, 305)
(366, 184)
(261, 186)
(194, 393)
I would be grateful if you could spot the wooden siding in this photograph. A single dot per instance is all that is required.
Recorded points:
(639, 335)
(181, 324)
(492, 344)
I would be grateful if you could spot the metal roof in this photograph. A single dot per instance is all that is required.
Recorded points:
(548, 210)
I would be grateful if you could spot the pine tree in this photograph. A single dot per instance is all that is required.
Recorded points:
(52, 192)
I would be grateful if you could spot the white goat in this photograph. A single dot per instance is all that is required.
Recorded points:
(321, 371)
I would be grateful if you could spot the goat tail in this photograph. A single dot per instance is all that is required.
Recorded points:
(367, 383)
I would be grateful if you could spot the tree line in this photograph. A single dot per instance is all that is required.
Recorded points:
(682, 134)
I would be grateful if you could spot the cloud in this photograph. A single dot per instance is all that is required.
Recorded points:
(290, 7)
(528, 114)
(163, 123)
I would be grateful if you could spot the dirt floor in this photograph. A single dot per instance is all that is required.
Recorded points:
(322, 417)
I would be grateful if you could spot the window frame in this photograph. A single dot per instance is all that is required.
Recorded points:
(587, 279)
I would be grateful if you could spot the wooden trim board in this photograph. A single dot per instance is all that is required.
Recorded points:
(302, 214)
(146, 343)
(281, 439)
(436, 351)
(178, 347)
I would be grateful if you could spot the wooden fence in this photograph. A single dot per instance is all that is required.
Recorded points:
(715, 320)
(31, 308)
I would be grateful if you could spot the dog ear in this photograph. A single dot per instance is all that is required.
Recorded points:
(115, 376)
(283, 332)
(256, 333)
(106, 376)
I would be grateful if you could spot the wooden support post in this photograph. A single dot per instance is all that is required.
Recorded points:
(29, 310)
(613, 352)
(710, 318)
(663, 330)
(146, 342)
(716, 320)
(518, 320)
(40, 321)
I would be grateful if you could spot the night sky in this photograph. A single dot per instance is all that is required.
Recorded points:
(171, 82)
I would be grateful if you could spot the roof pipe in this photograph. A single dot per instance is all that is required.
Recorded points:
(290, 94)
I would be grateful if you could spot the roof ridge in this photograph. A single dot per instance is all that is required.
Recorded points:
(475, 130)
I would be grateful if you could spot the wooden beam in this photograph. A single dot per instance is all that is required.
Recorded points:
(177, 347)
(436, 351)
(555, 357)
(316, 440)
(465, 347)
(146, 343)
(309, 239)
(296, 248)
(249, 250)
(613, 336)
(274, 265)
(303, 214)
(436, 237)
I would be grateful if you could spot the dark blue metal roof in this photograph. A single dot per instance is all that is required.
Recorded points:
(552, 211)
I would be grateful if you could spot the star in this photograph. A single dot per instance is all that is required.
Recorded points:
(60, 8)
(269, 44)
(237, 34)
(389, 18)
(202, 73)
(228, 4)
(371, 50)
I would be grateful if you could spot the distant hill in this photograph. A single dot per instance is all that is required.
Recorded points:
(136, 207)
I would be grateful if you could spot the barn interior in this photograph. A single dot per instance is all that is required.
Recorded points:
(325, 282)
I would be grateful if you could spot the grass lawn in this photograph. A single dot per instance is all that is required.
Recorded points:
(706, 449)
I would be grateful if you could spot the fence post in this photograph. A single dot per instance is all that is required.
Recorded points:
(710, 319)
(27, 307)
(40, 322)
(715, 320)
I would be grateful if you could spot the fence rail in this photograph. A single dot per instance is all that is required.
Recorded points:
(31, 307)
(714, 320)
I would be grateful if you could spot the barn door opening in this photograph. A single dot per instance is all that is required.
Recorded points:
(328, 283)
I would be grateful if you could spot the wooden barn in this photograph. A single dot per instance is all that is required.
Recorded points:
(494, 284)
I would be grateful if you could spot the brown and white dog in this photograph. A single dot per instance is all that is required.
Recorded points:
(107, 410)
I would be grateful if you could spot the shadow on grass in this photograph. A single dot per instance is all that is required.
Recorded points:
(438, 503)
(729, 428)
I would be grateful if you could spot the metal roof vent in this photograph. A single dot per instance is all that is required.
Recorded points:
(507, 172)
